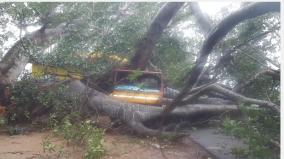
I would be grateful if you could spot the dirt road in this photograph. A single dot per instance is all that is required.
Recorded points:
(118, 146)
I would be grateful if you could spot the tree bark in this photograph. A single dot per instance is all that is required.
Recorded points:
(232, 96)
(15, 60)
(145, 47)
(136, 115)
(170, 92)
(202, 19)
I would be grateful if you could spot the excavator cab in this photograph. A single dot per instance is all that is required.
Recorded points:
(135, 86)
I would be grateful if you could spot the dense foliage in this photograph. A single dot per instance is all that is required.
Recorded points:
(84, 133)
(27, 95)
(259, 129)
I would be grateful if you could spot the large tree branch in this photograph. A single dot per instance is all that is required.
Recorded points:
(219, 32)
(227, 53)
(275, 74)
(146, 46)
(202, 19)
(16, 58)
(14, 61)
(232, 95)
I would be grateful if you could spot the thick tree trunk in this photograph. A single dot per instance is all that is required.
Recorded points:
(202, 19)
(145, 47)
(15, 60)
(136, 115)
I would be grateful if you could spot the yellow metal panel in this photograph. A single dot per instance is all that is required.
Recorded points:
(67, 73)
(37, 71)
(60, 73)
(138, 97)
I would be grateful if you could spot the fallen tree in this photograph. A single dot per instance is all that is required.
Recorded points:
(238, 98)
(137, 116)
(190, 103)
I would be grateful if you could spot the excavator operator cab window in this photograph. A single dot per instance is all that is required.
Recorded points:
(141, 82)
(142, 87)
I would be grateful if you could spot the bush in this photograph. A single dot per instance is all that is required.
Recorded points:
(83, 133)
(27, 95)
(260, 130)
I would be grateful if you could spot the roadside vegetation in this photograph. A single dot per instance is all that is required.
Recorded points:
(65, 118)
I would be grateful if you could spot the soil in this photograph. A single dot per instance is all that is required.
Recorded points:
(118, 145)
(129, 147)
(29, 146)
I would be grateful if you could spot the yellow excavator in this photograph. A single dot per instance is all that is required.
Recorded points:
(134, 86)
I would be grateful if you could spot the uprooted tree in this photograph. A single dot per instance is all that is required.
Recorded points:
(204, 92)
